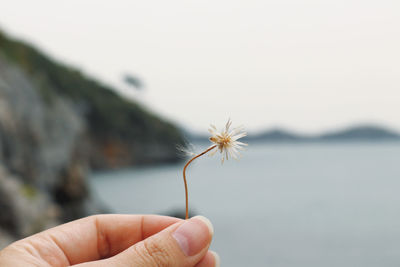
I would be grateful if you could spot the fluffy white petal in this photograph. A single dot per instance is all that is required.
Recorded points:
(226, 140)
(238, 136)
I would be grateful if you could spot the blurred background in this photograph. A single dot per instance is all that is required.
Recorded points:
(95, 96)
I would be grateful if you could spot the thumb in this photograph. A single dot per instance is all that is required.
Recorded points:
(182, 244)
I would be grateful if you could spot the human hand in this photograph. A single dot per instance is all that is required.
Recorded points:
(117, 240)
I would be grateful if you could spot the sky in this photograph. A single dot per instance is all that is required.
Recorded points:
(304, 65)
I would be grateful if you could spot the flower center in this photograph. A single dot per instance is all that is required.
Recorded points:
(221, 141)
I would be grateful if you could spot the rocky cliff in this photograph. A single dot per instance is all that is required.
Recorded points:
(55, 124)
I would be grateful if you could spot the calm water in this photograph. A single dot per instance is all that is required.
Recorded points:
(281, 205)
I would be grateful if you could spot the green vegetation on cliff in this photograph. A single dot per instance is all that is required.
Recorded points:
(113, 123)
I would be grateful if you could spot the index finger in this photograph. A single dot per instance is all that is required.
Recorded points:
(96, 237)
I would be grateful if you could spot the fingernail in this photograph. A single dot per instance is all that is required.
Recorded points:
(217, 259)
(194, 235)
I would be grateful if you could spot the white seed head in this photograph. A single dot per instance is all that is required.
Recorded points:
(226, 140)
(187, 150)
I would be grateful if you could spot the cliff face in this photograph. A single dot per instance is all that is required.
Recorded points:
(55, 124)
(121, 132)
(39, 149)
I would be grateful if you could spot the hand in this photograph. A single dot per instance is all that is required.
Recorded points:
(116, 241)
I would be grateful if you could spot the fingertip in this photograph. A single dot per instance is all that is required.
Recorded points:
(211, 259)
(206, 222)
(217, 259)
(192, 235)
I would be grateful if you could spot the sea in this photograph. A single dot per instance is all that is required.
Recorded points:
(280, 205)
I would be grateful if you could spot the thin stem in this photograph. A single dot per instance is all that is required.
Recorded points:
(184, 177)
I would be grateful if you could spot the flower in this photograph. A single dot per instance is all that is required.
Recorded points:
(227, 140)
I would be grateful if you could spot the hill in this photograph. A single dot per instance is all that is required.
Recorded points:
(55, 125)
(366, 133)
(370, 133)
(122, 132)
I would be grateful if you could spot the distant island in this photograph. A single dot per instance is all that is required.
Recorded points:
(366, 133)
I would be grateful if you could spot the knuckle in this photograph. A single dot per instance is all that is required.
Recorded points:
(158, 255)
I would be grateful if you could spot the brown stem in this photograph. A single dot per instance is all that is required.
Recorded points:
(184, 177)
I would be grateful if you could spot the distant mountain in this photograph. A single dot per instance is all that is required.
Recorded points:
(366, 132)
(277, 135)
(354, 133)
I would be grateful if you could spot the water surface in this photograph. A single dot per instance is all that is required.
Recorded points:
(281, 205)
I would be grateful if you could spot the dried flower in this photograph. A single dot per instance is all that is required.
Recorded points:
(226, 142)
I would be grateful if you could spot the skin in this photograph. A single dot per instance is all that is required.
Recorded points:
(112, 240)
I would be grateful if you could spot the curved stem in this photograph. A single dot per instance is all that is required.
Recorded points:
(184, 177)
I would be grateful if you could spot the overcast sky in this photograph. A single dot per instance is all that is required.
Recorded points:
(300, 64)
